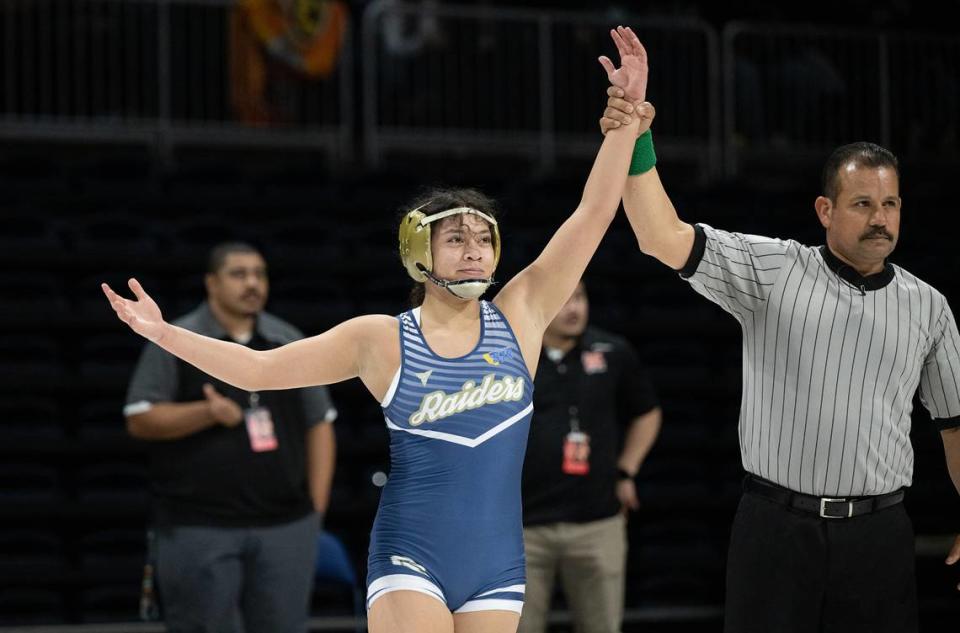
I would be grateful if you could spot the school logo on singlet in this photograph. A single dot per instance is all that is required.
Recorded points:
(498, 356)
(440, 404)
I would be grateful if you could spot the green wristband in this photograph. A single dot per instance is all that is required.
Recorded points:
(644, 158)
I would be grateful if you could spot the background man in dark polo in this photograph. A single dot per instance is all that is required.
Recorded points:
(595, 419)
(240, 480)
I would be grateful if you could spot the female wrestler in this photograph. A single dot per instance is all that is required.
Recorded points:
(454, 379)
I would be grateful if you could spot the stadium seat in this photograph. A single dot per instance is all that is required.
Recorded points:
(334, 569)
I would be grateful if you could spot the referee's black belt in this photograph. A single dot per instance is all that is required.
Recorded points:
(825, 507)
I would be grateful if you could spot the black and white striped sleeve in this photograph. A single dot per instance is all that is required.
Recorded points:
(734, 270)
(940, 376)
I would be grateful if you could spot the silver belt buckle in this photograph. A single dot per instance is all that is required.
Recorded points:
(823, 508)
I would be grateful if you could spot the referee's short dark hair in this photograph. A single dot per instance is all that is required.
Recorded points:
(863, 154)
(218, 254)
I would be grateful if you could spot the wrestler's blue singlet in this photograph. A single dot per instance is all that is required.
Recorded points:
(449, 523)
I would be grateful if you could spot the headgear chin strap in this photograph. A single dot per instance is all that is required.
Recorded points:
(463, 288)
(417, 257)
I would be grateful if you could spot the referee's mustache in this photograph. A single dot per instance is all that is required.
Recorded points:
(877, 231)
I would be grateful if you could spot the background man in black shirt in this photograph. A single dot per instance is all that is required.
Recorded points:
(590, 391)
(240, 480)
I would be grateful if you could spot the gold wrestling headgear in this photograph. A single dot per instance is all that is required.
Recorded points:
(417, 257)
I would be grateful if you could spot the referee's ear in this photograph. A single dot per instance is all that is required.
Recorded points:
(824, 208)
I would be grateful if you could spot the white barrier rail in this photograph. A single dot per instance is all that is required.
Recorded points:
(157, 71)
(799, 91)
(440, 79)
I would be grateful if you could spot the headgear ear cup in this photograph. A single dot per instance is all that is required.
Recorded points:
(415, 250)
(417, 257)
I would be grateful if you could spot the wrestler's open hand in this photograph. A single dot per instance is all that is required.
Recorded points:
(627, 97)
(633, 71)
(143, 316)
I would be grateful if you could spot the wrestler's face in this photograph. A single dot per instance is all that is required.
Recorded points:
(240, 286)
(462, 248)
(572, 318)
(863, 223)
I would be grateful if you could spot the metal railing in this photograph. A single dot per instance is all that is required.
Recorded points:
(440, 79)
(924, 88)
(520, 82)
(802, 90)
(152, 71)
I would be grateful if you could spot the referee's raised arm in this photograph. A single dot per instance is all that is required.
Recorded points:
(660, 232)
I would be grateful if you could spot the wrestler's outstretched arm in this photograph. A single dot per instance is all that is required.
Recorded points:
(535, 295)
(343, 352)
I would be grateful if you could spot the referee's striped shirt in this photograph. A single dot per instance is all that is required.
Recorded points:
(831, 361)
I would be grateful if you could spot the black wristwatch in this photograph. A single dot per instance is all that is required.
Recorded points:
(622, 474)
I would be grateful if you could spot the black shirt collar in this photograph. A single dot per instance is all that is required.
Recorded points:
(850, 275)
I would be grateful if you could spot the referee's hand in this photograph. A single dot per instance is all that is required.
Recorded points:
(954, 555)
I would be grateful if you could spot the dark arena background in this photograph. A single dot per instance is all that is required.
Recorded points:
(135, 134)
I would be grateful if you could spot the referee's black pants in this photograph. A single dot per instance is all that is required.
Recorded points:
(793, 572)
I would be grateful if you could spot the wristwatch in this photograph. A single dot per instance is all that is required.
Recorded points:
(622, 474)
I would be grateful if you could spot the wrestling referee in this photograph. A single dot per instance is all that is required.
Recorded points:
(836, 341)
